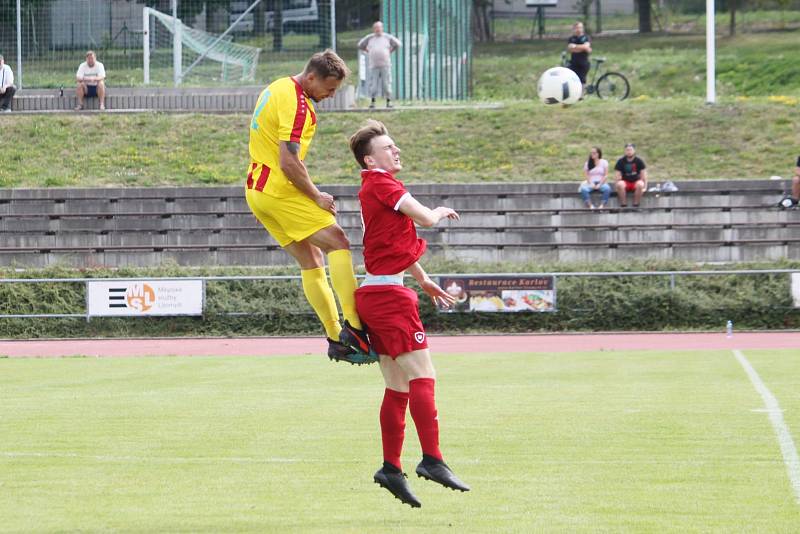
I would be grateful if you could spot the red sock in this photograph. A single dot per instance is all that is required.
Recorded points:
(423, 409)
(393, 425)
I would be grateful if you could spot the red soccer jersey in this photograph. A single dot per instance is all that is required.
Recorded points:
(391, 244)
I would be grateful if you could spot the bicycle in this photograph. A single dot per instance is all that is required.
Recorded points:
(611, 85)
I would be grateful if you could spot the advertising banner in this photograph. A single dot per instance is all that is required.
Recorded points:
(139, 298)
(501, 293)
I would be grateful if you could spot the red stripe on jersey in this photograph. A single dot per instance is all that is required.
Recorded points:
(313, 117)
(262, 178)
(250, 176)
(300, 114)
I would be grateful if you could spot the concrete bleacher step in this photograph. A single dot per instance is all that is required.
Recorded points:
(168, 220)
(720, 221)
(255, 236)
(475, 252)
(194, 99)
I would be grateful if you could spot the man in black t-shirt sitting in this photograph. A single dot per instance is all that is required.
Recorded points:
(580, 48)
(631, 176)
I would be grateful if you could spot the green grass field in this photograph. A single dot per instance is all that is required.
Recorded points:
(641, 441)
(679, 138)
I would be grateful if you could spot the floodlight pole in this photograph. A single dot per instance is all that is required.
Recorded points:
(711, 93)
(177, 52)
(19, 42)
(146, 43)
(333, 25)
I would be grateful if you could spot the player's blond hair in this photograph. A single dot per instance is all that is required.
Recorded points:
(361, 141)
(327, 64)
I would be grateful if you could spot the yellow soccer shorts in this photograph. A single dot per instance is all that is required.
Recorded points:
(288, 219)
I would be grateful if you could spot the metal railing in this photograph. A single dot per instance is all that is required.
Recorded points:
(670, 275)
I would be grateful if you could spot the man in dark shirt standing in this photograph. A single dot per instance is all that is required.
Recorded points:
(631, 177)
(580, 47)
(796, 183)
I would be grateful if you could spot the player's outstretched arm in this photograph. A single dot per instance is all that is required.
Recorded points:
(424, 216)
(439, 296)
(295, 170)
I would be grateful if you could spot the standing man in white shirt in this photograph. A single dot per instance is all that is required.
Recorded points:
(379, 45)
(7, 88)
(91, 81)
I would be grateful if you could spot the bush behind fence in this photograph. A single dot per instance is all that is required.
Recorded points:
(761, 301)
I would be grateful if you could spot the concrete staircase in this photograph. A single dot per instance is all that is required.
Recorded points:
(710, 221)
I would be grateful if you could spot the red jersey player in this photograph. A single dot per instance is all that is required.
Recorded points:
(391, 247)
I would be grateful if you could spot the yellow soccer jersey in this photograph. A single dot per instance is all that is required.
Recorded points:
(283, 113)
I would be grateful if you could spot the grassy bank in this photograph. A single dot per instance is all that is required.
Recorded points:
(279, 308)
(679, 138)
(657, 65)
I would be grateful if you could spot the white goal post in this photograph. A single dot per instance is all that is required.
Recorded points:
(198, 48)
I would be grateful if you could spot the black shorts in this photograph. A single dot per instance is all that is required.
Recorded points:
(91, 91)
(581, 69)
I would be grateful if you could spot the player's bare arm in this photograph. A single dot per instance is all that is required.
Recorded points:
(295, 170)
(439, 296)
(424, 216)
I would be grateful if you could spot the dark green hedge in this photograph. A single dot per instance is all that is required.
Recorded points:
(279, 308)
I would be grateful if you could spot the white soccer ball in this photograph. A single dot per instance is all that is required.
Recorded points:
(560, 85)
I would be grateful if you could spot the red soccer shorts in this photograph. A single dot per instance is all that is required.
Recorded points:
(391, 314)
(630, 187)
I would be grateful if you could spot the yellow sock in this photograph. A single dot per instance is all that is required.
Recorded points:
(320, 296)
(343, 279)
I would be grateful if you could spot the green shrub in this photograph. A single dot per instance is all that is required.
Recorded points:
(279, 308)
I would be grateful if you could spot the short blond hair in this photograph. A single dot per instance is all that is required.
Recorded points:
(361, 141)
(327, 64)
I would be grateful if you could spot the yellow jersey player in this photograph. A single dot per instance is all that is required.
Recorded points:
(294, 211)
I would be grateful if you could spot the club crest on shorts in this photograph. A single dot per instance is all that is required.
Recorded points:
(419, 336)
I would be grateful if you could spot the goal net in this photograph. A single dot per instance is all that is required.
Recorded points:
(175, 53)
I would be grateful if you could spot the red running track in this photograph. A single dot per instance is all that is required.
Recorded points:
(467, 344)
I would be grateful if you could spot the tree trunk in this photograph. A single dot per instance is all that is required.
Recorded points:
(645, 25)
(324, 23)
(733, 17)
(277, 27)
(258, 19)
(481, 22)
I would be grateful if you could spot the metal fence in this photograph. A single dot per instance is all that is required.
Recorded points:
(671, 281)
(193, 42)
(435, 61)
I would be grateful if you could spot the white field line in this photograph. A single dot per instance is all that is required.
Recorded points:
(775, 413)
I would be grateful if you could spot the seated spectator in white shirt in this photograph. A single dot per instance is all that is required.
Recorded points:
(596, 172)
(91, 81)
(7, 88)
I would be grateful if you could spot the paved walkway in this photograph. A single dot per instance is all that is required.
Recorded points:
(271, 346)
